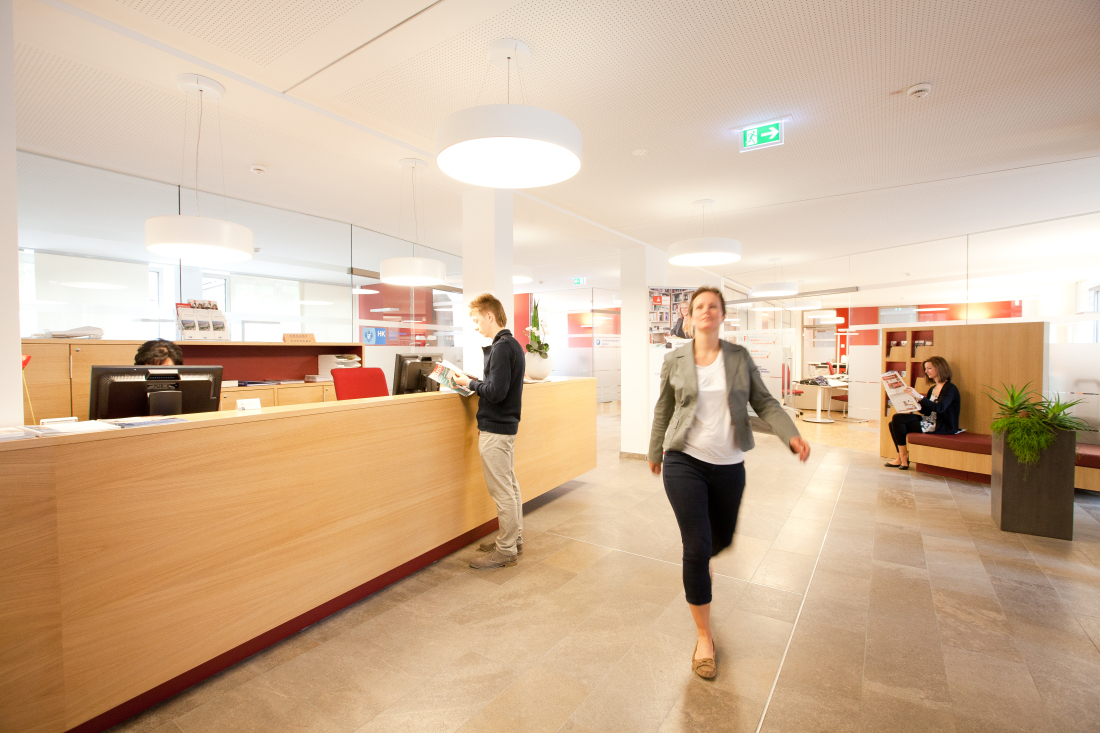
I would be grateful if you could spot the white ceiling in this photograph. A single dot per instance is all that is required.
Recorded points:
(1009, 135)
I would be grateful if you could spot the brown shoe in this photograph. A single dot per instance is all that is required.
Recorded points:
(495, 559)
(492, 545)
(703, 667)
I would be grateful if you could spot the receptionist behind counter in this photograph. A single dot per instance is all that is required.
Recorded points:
(158, 352)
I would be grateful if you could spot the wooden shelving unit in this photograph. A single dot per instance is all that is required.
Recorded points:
(979, 355)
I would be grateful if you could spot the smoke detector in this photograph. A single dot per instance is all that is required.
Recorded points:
(919, 90)
(259, 170)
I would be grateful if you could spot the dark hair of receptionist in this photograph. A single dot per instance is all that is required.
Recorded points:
(942, 369)
(155, 352)
(708, 289)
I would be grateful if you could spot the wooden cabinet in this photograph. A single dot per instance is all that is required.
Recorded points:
(48, 383)
(230, 395)
(86, 355)
(330, 393)
(299, 394)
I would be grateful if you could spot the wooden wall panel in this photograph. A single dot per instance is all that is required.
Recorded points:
(981, 356)
(248, 521)
(299, 394)
(31, 681)
(48, 383)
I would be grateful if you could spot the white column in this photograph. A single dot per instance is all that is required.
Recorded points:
(486, 263)
(11, 378)
(639, 268)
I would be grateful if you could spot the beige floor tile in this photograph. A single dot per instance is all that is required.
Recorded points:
(810, 507)
(255, 709)
(599, 642)
(786, 570)
(974, 622)
(901, 591)
(748, 650)
(447, 700)
(702, 707)
(991, 694)
(904, 660)
(1028, 603)
(676, 620)
(1068, 682)
(899, 545)
(771, 602)
(538, 701)
(810, 709)
(577, 556)
(742, 559)
(883, 712)
(803, 536)
(638, 692)
(836, 599)
(1091, 625)
(827, 658)
(495, 609)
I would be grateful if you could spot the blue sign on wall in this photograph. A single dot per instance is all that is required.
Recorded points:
(374, 336)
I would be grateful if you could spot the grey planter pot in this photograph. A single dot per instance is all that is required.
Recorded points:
(1038, 499)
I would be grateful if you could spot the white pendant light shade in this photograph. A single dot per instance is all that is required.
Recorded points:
(508, 146)
(774, 290)
(803, 304)
(412, 271)
(521, 275)
(198, 238)
(704, 251)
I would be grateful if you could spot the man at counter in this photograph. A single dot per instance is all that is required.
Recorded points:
(501, 392)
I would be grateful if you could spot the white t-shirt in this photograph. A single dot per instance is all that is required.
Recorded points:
(710, 435)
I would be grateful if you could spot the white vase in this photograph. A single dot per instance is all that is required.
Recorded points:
(538, 367)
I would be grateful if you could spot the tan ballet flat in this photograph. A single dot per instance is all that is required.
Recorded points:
(703, 667)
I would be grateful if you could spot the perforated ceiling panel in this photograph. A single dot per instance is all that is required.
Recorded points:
(258, 31)
(70, 110)
(1014, 84)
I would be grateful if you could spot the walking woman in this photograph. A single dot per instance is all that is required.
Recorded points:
(939, 411)
(701, 424)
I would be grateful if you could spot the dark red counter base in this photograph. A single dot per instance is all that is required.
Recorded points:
(978, 478)
(174, 686)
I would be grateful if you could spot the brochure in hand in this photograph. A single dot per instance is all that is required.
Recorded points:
(444, 373)
(901, 396)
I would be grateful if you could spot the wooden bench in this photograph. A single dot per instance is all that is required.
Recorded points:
(969, 456)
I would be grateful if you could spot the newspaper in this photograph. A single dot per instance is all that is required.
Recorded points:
(444, 373)
(900, 396)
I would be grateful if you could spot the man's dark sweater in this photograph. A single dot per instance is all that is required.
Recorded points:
(502, 388)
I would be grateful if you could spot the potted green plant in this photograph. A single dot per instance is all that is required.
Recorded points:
(538, 361)
(1032, 484)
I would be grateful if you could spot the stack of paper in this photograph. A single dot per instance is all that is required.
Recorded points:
(327, 362)
(14, 434)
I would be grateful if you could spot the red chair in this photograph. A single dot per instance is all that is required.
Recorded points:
(356, 383)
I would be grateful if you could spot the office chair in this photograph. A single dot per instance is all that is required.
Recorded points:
(354, 384)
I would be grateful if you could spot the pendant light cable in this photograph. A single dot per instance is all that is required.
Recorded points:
(221, 153)
(198, 139)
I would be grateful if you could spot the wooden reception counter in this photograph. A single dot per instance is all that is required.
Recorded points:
(133, 563)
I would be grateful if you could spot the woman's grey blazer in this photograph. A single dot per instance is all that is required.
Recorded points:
(679, 396)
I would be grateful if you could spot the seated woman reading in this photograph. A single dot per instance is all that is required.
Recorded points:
(939, 411)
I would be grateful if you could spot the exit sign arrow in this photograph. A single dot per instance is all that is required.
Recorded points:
(764, 135)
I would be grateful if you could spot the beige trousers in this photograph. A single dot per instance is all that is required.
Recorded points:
(498, 462)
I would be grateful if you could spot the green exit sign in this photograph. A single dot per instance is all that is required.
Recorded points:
(580, 280)
(762, 136)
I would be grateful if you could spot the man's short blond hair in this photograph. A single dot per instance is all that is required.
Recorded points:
(487, 303)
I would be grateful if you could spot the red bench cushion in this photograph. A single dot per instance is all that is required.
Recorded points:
(1088, 456)
(963, 442)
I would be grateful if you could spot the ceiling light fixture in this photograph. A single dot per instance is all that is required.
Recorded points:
(776, 289)
(199, 238)
(94, 286)
(384, 310)
(508, 145)
(926, 310)
(364, 291)
(521, 275)
(412, 271)
(704, 251)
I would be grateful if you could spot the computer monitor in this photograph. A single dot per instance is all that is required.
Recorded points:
(410, 373)
(137, 391)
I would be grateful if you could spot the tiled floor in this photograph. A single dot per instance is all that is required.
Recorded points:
(909, 611)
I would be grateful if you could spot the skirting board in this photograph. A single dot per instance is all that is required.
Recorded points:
(174, 686)
(633, 456)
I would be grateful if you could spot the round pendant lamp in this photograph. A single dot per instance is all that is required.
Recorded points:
(412, 271)
(774, 290)
(508, 145)
(704, 251)
(199, 238)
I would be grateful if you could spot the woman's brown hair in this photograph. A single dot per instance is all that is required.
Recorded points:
(707, 289)
(942, 369)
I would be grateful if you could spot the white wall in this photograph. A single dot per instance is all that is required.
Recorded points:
(864, 385)
(11, 381)
(640, 267)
